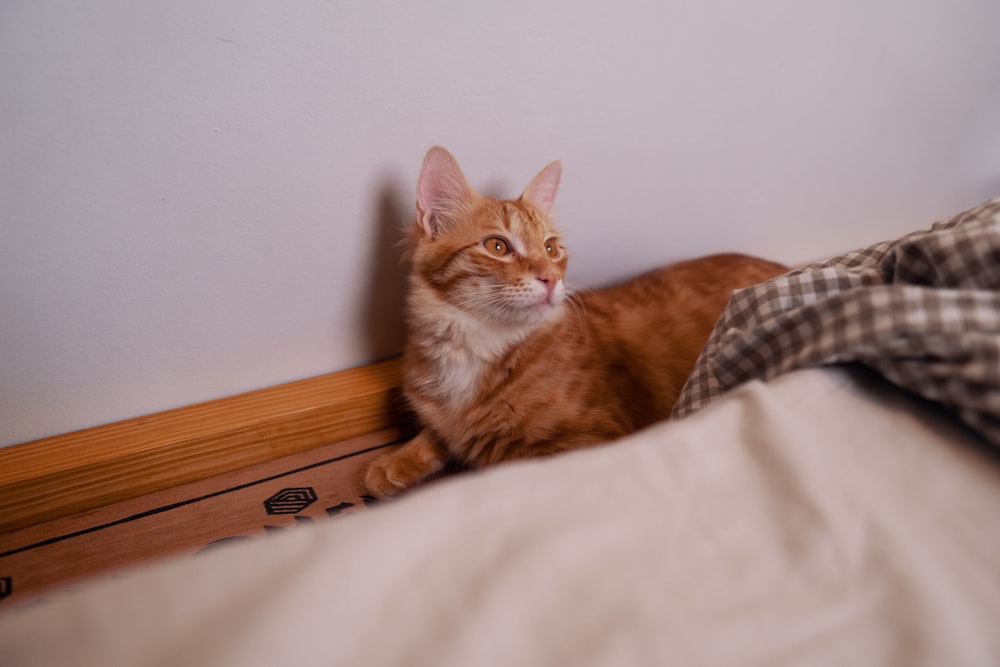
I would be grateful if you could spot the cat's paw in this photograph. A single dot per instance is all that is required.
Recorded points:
(393, 473)
(382, 479)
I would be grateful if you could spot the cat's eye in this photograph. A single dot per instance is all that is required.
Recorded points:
(552, 248)
(497, 246)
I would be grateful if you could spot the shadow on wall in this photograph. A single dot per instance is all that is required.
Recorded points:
(383, 311)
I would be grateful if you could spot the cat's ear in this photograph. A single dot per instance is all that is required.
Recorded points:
(541, 192)
(441, 191)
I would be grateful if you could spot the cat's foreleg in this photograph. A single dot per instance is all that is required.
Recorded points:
(398, 470)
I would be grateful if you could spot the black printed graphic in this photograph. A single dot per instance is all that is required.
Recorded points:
(6, 587)
(290, 501)
(338, 508)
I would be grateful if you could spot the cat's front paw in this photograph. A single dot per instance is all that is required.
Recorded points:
(383, 478)
(393, 473)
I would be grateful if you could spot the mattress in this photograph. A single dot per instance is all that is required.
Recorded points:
(821, 517)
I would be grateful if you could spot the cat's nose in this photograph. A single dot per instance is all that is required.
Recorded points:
(549, 280)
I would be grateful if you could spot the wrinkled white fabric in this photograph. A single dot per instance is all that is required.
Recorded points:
(820, 519)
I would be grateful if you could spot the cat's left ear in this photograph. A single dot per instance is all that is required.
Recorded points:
(541, 192)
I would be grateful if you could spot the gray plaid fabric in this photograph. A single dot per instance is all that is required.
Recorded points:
(923, 311)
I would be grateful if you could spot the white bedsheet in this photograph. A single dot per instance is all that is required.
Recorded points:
(820, 519)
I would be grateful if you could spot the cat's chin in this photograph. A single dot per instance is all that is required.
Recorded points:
(532, 315)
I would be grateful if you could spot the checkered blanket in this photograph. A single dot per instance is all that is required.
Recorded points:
(923, 311)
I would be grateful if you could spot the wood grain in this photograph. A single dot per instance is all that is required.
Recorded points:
(44, 559)
(66, 474)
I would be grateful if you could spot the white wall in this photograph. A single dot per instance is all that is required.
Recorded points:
(199, 198)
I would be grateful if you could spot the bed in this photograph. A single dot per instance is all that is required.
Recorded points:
(827, 494)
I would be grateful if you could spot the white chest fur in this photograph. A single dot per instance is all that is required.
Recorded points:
(458, 349)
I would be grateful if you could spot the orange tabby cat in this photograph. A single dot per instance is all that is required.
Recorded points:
(502, 363)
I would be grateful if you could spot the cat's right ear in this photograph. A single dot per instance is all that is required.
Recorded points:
(441, 191)
(541, 192)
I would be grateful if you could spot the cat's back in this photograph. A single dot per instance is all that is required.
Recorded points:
(658, 322)
(695, 287)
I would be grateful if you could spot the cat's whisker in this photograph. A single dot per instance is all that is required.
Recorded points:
(575, 301)
(481, 300)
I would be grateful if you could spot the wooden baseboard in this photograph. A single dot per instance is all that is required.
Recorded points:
(66, 474)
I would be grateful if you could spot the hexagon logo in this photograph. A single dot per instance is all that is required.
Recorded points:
(290, 501)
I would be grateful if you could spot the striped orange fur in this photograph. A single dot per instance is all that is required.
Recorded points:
(503, 363)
